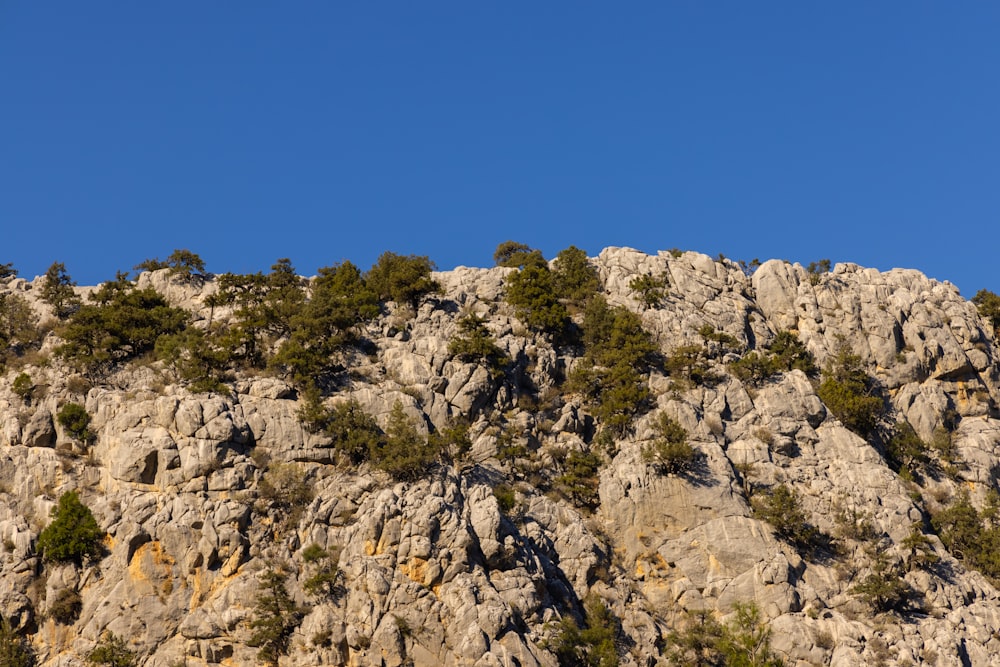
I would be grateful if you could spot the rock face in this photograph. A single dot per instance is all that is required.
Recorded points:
(476, 562)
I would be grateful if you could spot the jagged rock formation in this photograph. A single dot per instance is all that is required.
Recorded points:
(437, 571)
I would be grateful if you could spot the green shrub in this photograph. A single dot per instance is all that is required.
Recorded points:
(884, 588)
(112, 651)
(515, 255)
(186, 265)
(817, 269)
(969, 536)
(402, 279)
(19, 330)
(670, 452)
(275, 618)
(355, 433)
(780, 506)
(474, 343)
(988, 305)
(906, 452)
(452, 439)
(650, 290)
(73, 533)
(612, 374)
(574, 278)
(788, 353)
(579, 481)
(196, 358)
(852, 395)
(403, 453)
(688, 365)
(745, 641)
(264, 307)
(594, 645)
(23, 387)
(323, 573)
(75, 419)
(7, 270)
(532, 294)
(506, 497)
(918, 547)
(785, 353)
(66, 606)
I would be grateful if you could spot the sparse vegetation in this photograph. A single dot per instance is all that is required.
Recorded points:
(781, 507)
(971, 536)
(785, 353)
(817, 269)
(705, 642)
(988, 305)
(593, 645)
(23, 387)
(66, 606)
(618, 354)
(515, 255)
(339, 303)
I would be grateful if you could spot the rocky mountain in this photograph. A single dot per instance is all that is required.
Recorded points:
(738, 495)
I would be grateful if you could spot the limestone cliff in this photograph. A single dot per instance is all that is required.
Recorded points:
(442, 570)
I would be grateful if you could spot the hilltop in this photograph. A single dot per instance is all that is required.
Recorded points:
(627, 459)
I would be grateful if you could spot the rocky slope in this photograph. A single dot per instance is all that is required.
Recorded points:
(439, 570)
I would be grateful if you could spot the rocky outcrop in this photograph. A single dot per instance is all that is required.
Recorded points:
(477, 562)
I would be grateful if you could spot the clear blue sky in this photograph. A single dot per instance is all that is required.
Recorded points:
(322, 131)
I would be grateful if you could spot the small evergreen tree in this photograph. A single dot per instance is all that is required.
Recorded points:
(275, 618)
(533, 295)
(57, 291)
(593, 645)
(515, 255)
(340, 301)
(574, 278)
(852, 395)
(648, 289)
(186, 265)
(403, 453)
(73, 533)
(15, 651)
(474, 343)
(670, 451)
(988, 305)
(18, 327)
(7, 271)
(402, 279)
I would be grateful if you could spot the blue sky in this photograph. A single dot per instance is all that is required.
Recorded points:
(324, 131)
